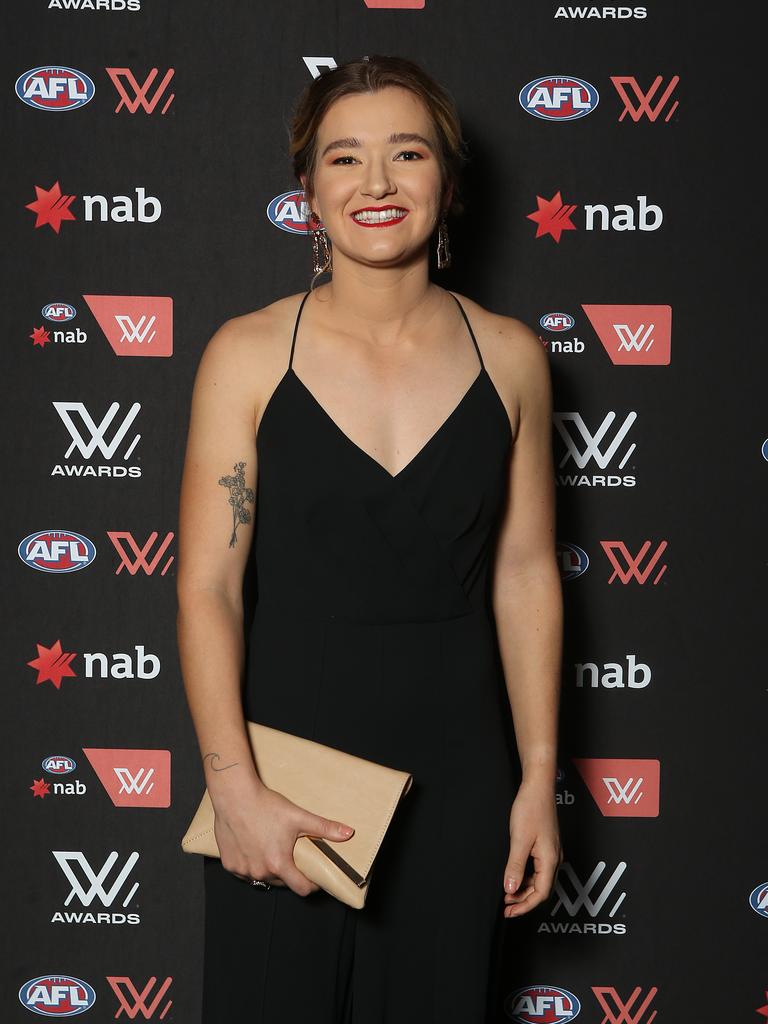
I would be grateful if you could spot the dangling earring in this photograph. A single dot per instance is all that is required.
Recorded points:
(443, 251)
(322, 257)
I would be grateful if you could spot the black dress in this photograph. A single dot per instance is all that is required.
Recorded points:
(374, 633)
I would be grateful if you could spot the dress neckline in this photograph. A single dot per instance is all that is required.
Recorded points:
(482, 373)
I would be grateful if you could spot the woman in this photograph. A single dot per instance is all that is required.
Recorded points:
(404, 552)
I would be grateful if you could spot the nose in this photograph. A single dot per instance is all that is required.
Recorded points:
(377, 182)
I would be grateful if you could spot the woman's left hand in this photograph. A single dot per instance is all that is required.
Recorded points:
(534, 831)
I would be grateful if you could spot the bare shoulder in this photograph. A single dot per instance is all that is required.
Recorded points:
(255, 334)
(514, 355)
(249, 353)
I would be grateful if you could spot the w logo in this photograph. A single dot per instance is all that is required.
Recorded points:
(136, 331)
(582, 446)
(133, 558)
(135, 325)
(637, 335)
(626, 566)
(582, 894)
(94, 888)
(97, 431)
(638, 104)
(140, 97)
(134, 777)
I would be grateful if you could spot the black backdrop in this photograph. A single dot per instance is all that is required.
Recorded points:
(661, 905)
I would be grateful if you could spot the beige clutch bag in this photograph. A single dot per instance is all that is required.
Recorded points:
(328, 782)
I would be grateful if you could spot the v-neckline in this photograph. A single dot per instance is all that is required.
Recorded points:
(355, 446)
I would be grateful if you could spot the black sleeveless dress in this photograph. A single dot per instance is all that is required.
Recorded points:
(374, 633)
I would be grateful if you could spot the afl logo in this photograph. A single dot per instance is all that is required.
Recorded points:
(54, 88)
(559, 99)
(542, 1004)
(573, 561)
(58, 764)
(551, 321)
(57, 551)
(59, 312)
(758, 899)
(289, 212)
(57, 995)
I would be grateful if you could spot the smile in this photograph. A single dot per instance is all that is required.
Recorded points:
(380, 218)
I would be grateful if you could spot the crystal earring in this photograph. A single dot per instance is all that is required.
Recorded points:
(443, 251)
(322, 257)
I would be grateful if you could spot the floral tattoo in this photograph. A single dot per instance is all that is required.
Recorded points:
(239, 494)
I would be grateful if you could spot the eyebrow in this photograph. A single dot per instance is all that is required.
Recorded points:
(394, 139)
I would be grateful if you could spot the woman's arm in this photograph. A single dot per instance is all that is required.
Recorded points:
(527, 600)
(256, 828)
(215, 531)
(527, 593)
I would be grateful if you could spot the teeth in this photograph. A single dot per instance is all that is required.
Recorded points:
(376, 216)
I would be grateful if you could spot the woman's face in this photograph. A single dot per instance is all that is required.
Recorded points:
(367, 166)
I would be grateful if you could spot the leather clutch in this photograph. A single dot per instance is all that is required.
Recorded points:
(329, 782)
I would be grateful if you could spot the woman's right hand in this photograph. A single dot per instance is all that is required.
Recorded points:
(256, 835)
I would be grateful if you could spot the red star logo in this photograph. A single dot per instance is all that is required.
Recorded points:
(763, 1010)
(40, 788)
(52, 664)
(51, 207)
(40, 336)
(553, 216)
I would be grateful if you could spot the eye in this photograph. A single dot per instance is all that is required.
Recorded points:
(411, 152)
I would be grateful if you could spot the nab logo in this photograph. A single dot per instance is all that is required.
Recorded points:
(135, 325)
(290, 212)
(57, 995)
(52, 206)
(55, 88)
(59, 312)
(536, 1004)
(57, 551)
(553, 216)
(573, 561)
(557, 322)
(559, 99)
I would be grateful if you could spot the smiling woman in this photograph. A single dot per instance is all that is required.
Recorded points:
(440, 145)
(386, 543)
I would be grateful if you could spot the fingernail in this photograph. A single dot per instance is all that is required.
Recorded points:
(346, 830)
(511, 884)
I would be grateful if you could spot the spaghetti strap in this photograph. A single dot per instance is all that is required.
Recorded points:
(466, 321)
(295, 329)
(471, 332)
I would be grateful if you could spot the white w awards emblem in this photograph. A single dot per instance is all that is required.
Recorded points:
(110, 437)
(89, 886)
(608, 445)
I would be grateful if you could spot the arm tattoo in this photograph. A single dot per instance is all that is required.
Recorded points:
(238, 495)
(213, 756)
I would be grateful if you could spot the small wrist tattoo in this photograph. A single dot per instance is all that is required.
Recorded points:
(239, 494)
(215, 757)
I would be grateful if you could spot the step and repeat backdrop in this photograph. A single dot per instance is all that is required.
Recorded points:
(148, 198)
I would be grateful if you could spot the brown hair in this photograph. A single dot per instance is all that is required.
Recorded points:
(370, 74)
